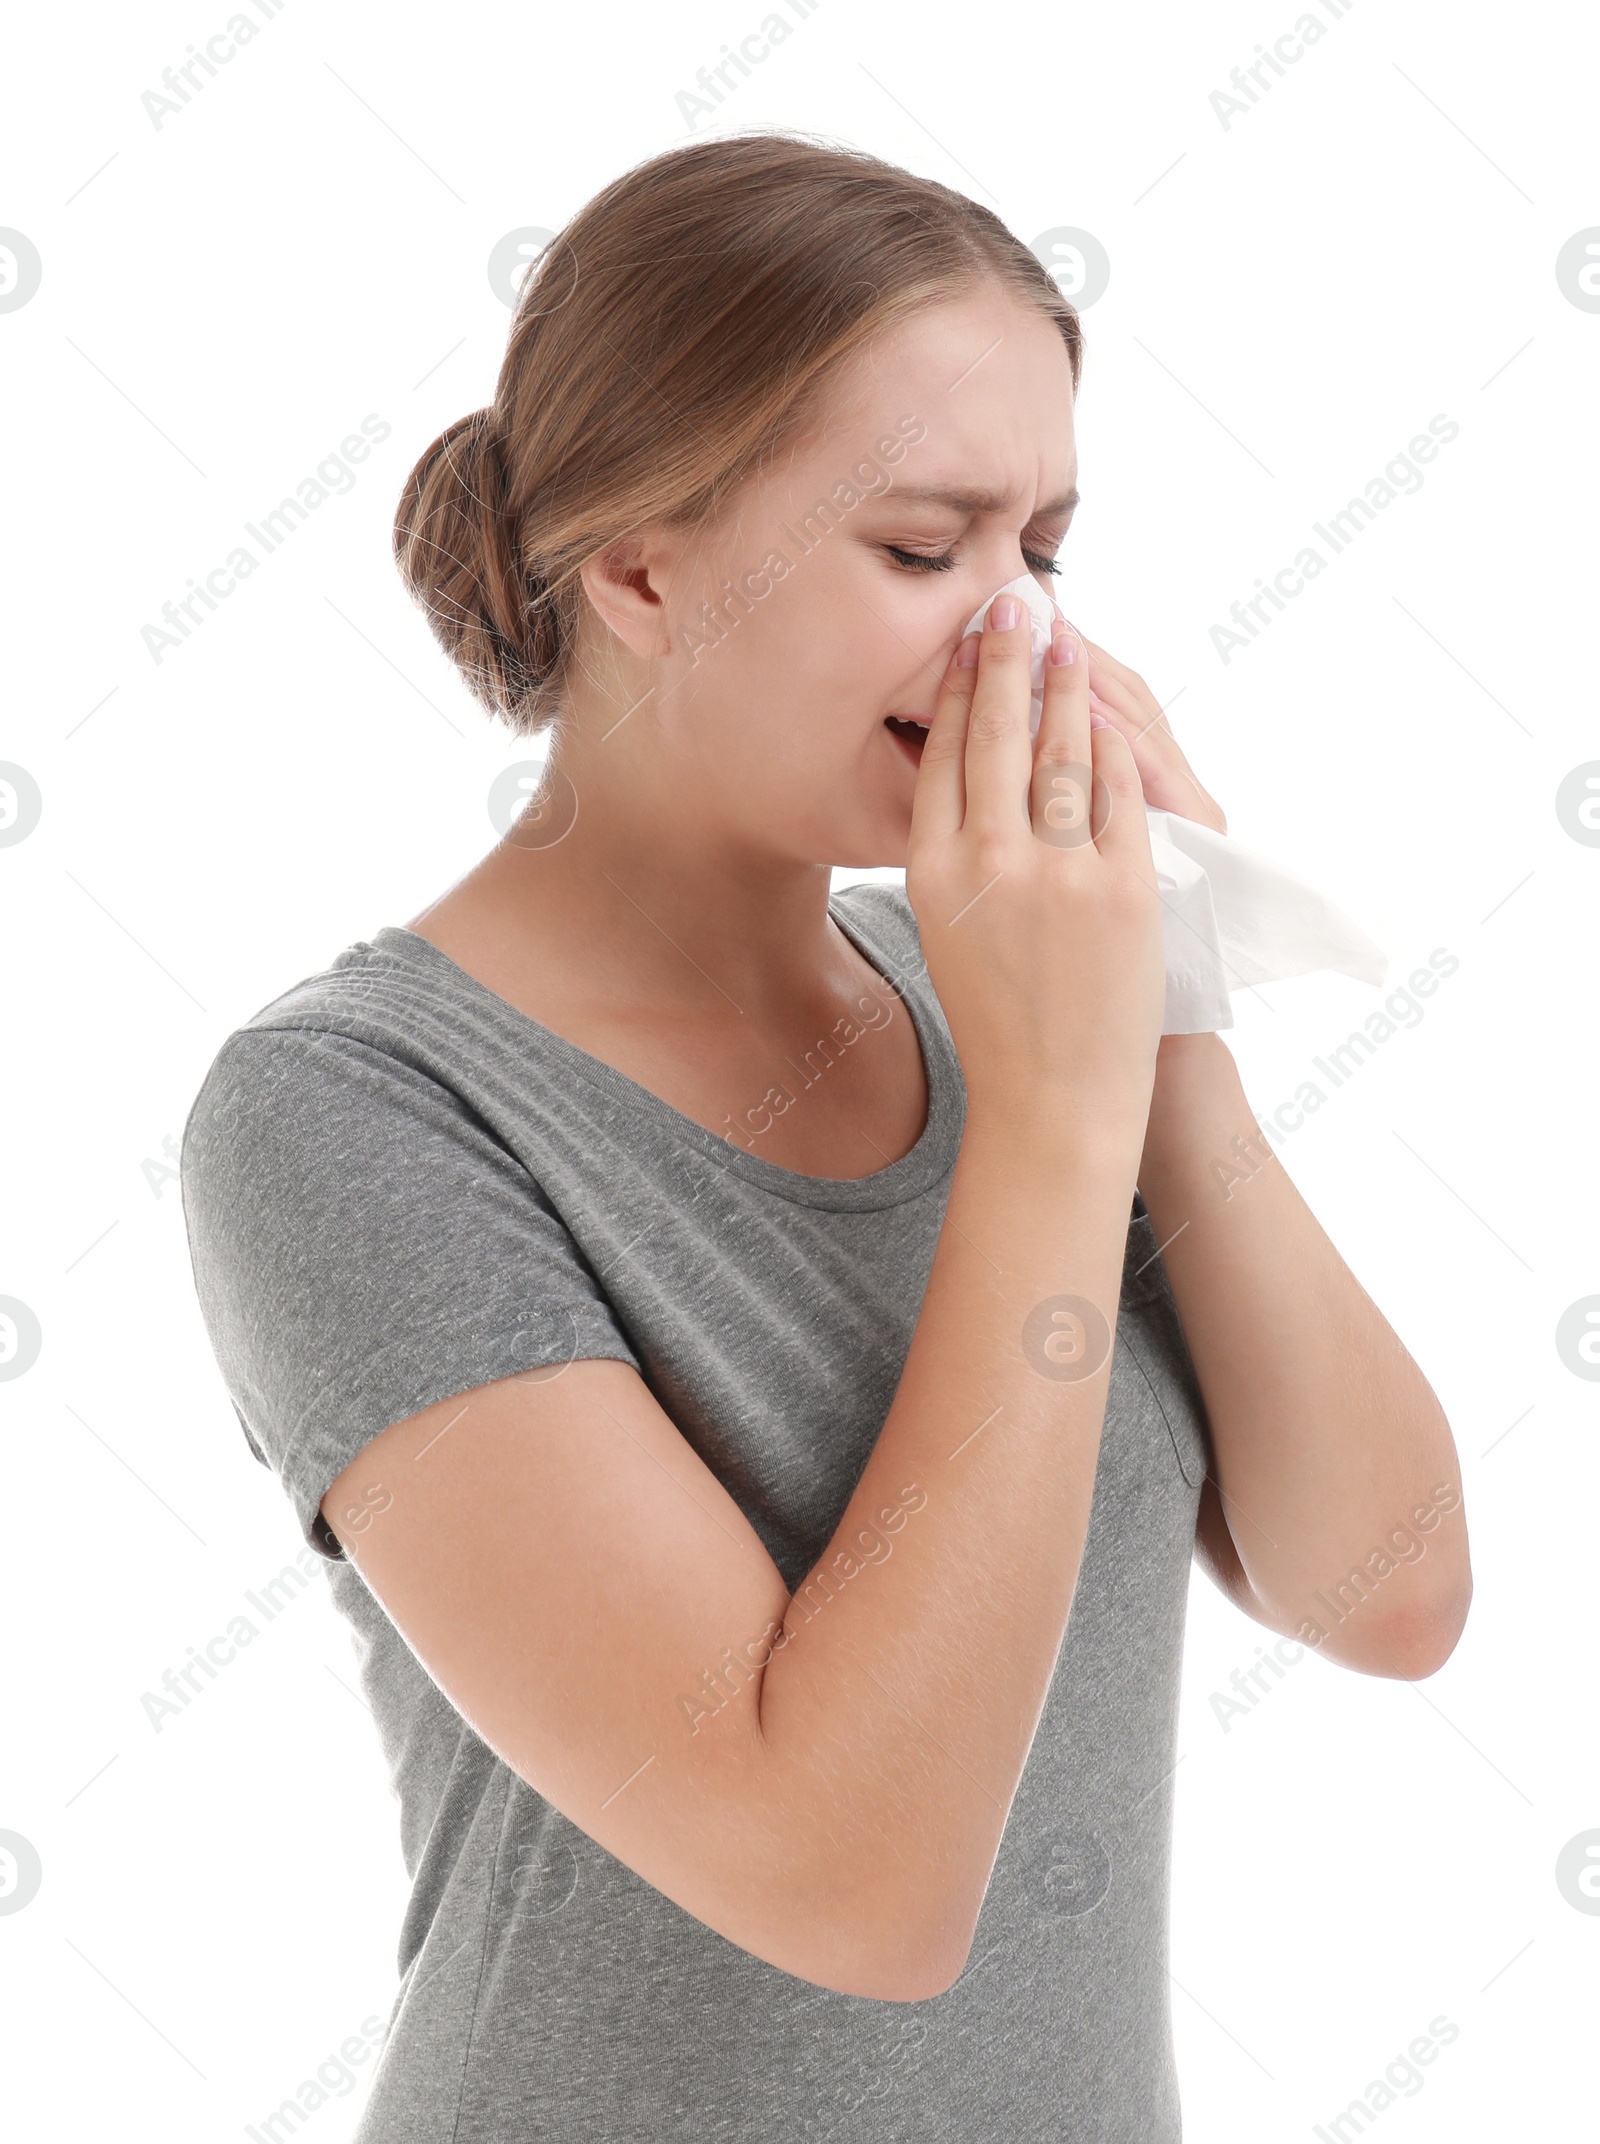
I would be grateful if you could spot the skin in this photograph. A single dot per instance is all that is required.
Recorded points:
(677, 927)
(680, 930)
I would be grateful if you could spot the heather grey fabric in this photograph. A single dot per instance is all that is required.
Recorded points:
(397, 1188)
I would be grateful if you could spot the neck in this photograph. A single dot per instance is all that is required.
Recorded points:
(670, 908)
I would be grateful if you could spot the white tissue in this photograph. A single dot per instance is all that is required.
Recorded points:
(1232, 918)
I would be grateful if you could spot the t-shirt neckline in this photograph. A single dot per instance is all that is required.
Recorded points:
(929, 1159)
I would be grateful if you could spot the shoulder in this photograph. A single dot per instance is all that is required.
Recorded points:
(391, 993)
(393, 1003)
(365, 1065)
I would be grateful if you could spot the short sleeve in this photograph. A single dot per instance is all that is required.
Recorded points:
(363, 1245)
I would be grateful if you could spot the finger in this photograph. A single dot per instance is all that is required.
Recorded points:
(1155, 749)
(1150, 755)
(1118, 701)
(1110, 667)
(1062, 798)
(1144, 725)
(1123, 835)
(1169, 780)
(938, 803)
(1125, 699)
(999, 757)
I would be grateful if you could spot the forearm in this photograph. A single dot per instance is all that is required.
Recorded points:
(902, 1704)
(1330, 1445)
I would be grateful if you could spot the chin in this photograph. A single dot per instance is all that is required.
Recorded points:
(879, 846)
(858, 818)
(877, 832)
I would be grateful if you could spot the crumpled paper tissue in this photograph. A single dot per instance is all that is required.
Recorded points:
(1232, 917)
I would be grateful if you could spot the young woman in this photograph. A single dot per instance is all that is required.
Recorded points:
(714, 1328)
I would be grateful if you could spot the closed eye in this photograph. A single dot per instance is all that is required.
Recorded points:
(942, 561)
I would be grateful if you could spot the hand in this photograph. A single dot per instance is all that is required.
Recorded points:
(1030, 875)
(1128, 704)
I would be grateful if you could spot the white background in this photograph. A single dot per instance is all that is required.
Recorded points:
(1292, 297)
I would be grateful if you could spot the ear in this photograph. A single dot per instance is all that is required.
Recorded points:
(625, 583)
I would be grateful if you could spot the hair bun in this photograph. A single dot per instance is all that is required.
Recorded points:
(456, 545)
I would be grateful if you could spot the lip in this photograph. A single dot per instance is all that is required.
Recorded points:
(908, 750)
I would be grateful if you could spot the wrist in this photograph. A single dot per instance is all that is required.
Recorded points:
(1174, 1051)
(1197, 1104)
(1191, 1071)
(1050, 1130)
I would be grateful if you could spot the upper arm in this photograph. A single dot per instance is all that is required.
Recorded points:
(570, 1574)
(364, 1247)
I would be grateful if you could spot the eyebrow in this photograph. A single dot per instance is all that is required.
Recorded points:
(976, 502)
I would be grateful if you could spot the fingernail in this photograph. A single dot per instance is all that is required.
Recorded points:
(1098, 722)
(1064, 648)
(967, 653)
(1003, 613)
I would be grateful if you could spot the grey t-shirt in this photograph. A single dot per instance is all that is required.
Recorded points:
(397, 1187)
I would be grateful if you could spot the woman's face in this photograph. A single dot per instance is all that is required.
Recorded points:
(832, 593)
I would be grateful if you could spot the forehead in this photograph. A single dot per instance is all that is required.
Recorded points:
(980, 498)
(988, 378)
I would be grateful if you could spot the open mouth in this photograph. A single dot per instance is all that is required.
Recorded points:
(908, 734)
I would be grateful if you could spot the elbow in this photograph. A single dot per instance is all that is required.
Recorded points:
(919, 1977)
(888, 1985)
(1412, 1647)
(1433, 1645)
(860, 1898)
(893, 1955)
(900, 1991)
(919, 1932)
(901, 1974)
(904, 1964)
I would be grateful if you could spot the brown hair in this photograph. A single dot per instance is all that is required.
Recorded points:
(675, 333)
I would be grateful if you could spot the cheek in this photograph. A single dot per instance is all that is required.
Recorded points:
(783, 729)
(875, 642)
(788, 706)
(803, 674)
